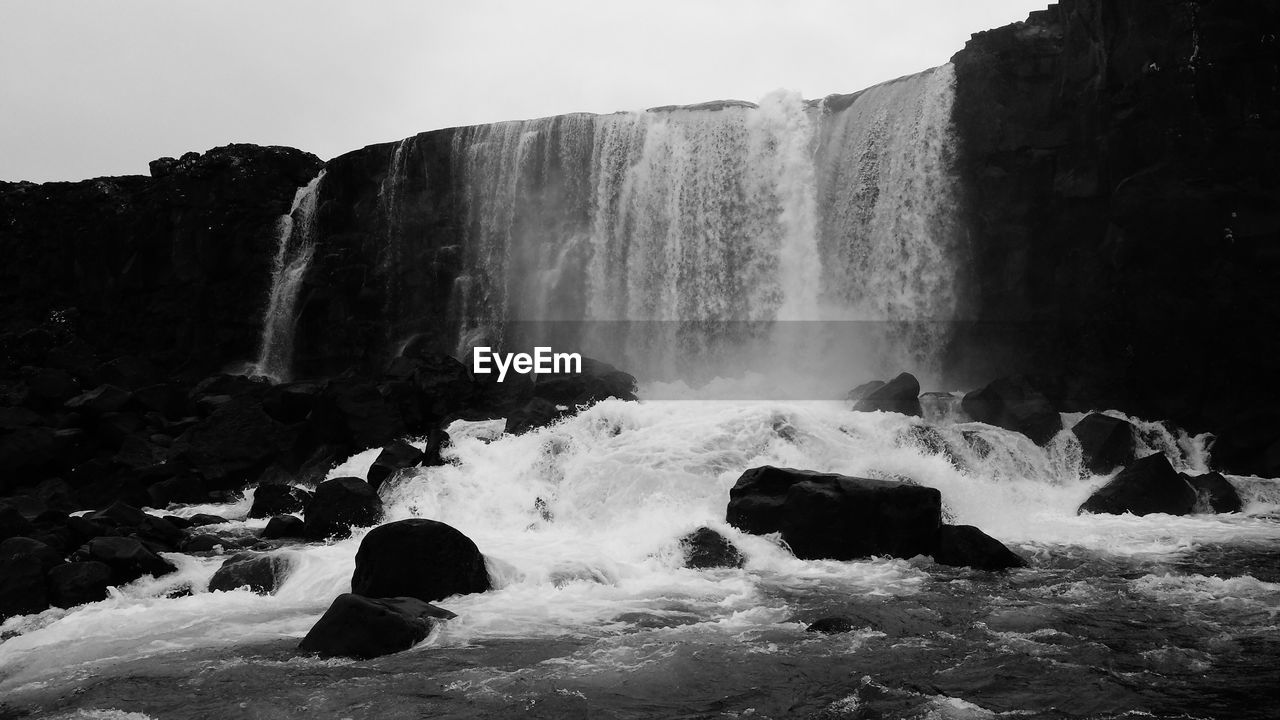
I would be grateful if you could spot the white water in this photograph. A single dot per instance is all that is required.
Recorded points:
(580, 523)
(295, 235)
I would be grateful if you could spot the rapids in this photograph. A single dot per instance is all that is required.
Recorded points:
(593, 615)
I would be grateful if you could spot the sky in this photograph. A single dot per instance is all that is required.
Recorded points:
(91, 87)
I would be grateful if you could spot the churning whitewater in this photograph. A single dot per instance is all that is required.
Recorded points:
(579, 523)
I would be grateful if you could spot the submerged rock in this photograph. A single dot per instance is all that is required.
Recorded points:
(339, 505)
(1013, 404)
(967, 546)
(261, 574)
(1214, 493)
(836, 517)
(1149, 485)
(418, 558)
(900, 395)
(706, 548)
(535, 414)
(360, 627)
(831, 625)
(1107, 442)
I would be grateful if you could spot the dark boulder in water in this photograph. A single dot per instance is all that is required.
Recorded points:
(261, 574)
(284, 526)
(1107, 442)
(339, 505)
(705, 548)
(597, 381)
(362, 628)
(395, 456)
(967, 546)
(836, 517)
(1013, 404)
(535, 414)
(236, 441)
(124, 519)
(831, 625)
(858, 393)
(128, 558)
(273, 499)
(78, 583)
(418, 558)
(22, 586)
(1215, 492)
(1147, 486)
(900, 395)
(354, 412)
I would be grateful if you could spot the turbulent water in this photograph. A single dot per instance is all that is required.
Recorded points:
(594, 616)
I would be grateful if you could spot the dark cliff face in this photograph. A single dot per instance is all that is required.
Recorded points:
(174, 267)
(387, 229)
(1122, 172)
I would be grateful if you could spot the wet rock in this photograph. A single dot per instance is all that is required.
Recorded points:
(1013, 404)
(340, 504)
(394, 456)
(128, 558)
(125, 519)
(261, 574)
(535, 414)
(270, 500)
(831, 625)
(12, 522)
(860, 392)
(78, 583)
(207, 542)
(1147, 486)
(967, 546)
(362, 628)
(418, 558)
(706, 548)
(236, 439)
(354, 412)
(203, 519)
(835, 516)
(597, 381)
(284, 526)
(49, 388)
(900, 395)
(186, 488)
(22, 587)
(1214, 493)
(1107, 442)
(46, 556)
(101, 400)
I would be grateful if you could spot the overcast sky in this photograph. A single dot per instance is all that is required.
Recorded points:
(90, 87)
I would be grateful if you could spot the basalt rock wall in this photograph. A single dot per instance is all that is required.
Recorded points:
(1121, 161)
(173, 267)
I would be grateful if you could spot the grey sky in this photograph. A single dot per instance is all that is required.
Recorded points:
(91, 87)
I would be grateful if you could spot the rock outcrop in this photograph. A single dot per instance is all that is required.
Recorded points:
(418, 558)
(1149, 485)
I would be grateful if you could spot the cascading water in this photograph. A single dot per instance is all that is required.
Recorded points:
(684, 239)
(296, 244)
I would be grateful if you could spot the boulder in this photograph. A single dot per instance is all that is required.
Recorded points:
(418, 558)
(394, 456)
(900, 395)
(1107, 442)
(202, 519)
(22, 588)
(535, 414)
(362, 628)
(967, 546)
(837, 517)
(1147, 486)
(128, 558)
(273, 499)
(46, 556)
(125, 519)
(261, 574)
(340, 504)
(1214, 493)
(354, 412)
(12, 522)
(284, 526)
(185, 488)
(236, 440)
(597, 381)
(706, 548)
(1013, 404)
(100, 400)
(78, 583)
(858, 393)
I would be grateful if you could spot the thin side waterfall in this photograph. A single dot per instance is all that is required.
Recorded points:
(692, 242)
(295, 233)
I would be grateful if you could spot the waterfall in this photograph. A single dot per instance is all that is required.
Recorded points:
(696, 238)
(296, 244)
